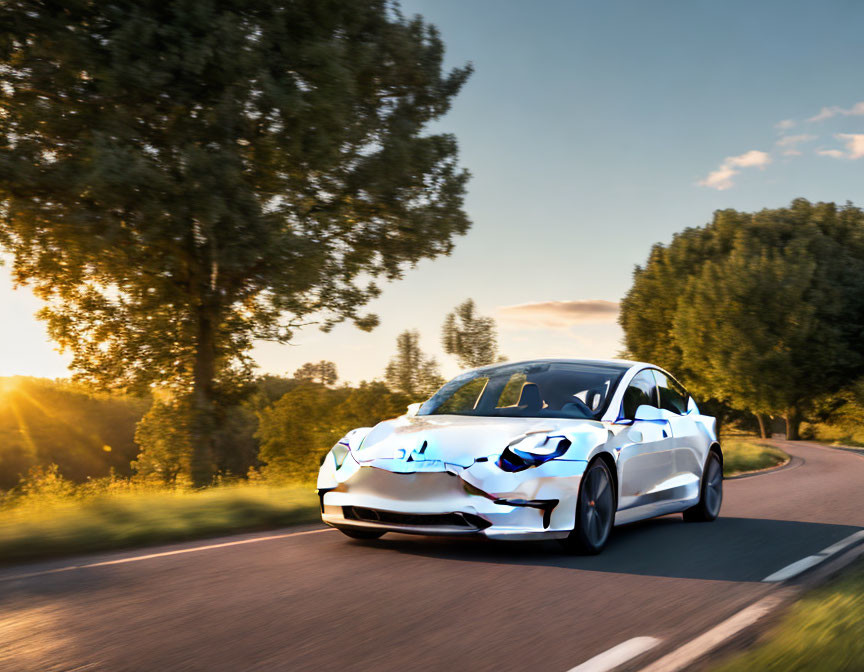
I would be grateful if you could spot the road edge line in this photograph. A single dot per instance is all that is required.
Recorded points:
(711, 639)
(792, 570)
(162, 554)
(618, 655)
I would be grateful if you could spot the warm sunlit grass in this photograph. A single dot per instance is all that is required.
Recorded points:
(76, 522)
(824, 631)
(742, 456)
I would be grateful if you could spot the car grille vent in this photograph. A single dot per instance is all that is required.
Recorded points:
(467, 521)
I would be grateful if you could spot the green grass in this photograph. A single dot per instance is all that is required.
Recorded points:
(823, 632)
(119, 520)
(742, 456)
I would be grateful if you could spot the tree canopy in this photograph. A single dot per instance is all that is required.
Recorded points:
(323, 372)
(472, 338)
(178, 179)
(410, 371)
(764, 311)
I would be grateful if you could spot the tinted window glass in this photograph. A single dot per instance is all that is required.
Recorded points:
(641, 391)
(673, 397)
(529, 390)
(512, 391)
(465, 398)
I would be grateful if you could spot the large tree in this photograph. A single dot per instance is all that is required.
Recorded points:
(472, 338)
(180, 178)
(764, 311)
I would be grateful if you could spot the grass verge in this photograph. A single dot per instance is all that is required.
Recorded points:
(739, 457)
(824, 632)
(122, 520)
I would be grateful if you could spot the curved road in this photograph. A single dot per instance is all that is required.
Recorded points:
(318, 601)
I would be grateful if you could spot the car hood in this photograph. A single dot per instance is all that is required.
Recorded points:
(430, 442)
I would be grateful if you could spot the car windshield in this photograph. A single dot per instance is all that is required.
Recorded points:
(529, 390)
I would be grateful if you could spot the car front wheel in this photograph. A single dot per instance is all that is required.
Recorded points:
(595, 511)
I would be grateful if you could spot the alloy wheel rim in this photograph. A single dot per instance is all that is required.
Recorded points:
(597, 506)
(713, 487)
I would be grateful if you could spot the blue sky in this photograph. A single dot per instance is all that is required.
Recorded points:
(588, 128)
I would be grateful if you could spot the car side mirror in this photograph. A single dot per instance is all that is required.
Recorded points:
(646, 412)
(413, 409)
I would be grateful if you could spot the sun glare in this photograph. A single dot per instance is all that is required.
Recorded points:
(8, 385)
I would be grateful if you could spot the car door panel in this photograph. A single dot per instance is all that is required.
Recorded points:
(646, 463)
(688, 438)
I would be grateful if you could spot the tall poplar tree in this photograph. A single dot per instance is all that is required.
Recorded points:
(472, 338)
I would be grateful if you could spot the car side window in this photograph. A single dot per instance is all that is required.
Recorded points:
(642, 390)
(673, 397)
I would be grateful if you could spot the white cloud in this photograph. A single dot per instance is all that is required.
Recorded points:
(790, 143)
(835, 111)
(825, 113)
(721, 178)
(854, 144)
(749, 159)
(854, 147)
(558, 314)
(784, 125)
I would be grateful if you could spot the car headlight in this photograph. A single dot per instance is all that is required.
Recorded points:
(340, 452)
(532, 451)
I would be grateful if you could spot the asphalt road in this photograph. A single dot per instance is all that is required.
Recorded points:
(321, 602)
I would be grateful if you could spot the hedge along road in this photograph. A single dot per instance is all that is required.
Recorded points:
(311, 599)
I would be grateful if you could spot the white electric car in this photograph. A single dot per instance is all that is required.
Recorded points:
(561, 449)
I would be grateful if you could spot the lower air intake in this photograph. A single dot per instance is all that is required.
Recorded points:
(467, 521)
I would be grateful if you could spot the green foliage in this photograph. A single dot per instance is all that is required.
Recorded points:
(838, 418)
(411, 372)
(470, 337)
(178, 179)
(323, 372)
(824, 631)
(764, 311)
(85, 433)
(299, 429)
(163, 435)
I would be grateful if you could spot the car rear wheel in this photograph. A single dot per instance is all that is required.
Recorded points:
(358, 533)
(595, 511)
(711, 496)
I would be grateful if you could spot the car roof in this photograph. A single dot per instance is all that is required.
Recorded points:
(621, 363)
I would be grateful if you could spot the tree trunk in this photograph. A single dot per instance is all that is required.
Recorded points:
(793, 422)
(764, 426)
(203, 425)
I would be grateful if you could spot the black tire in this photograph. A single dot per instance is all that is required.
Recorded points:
(360, 533)
(595, 511)
(711, 493)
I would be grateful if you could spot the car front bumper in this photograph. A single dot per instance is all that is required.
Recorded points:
(448, 500)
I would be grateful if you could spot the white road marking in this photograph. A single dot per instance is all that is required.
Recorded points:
(150, 556)
(812, 560)
(696, 648)
(618, 655)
